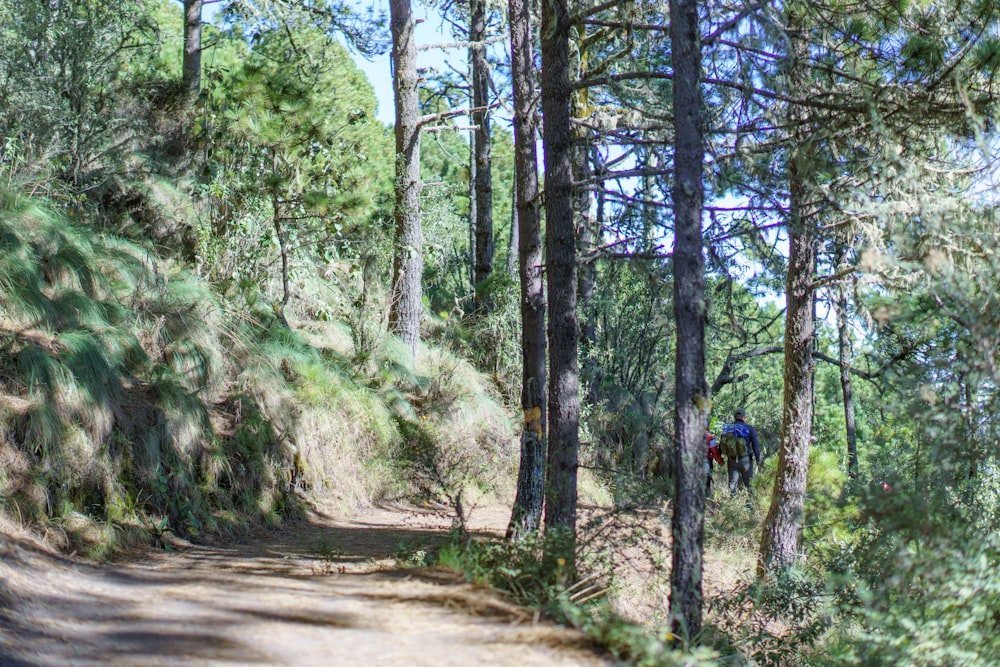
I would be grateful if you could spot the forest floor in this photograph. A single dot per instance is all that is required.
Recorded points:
(327, 591)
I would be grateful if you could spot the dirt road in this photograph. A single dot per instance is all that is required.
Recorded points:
(323, 592)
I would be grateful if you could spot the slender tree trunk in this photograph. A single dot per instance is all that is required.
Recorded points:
(514, 239)
(649, 231)
(845, 357)
(473, 215)
(408, 263)
(587, 272)
(481, 119)
(283, 250)
(971, 389)
(780, 538)
(585, 233)
(691, 402)
(527, 513)
(191, 67)
(281, 233)
(560, 247)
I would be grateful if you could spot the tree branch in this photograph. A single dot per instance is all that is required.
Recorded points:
(461, 45)
(596, 9)
(833, 277)
(435, 117)
(726, 376)
(731, 23)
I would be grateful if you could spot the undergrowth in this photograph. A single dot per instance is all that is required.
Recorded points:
(135, 401)
(519, 570)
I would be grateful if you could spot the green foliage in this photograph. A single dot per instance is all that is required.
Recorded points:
(124, 409)
(447, 263)
(830, 512)
(734, 524)
(298, 161)
(512, 567)
(774, 621)
(61, 82)
(492, 340)
(925, 601)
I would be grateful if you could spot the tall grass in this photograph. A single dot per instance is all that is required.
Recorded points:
(113, 363)
(134, 399)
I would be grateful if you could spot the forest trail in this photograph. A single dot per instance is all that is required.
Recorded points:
(320, 592)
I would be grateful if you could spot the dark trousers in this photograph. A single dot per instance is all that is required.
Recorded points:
(740, 472)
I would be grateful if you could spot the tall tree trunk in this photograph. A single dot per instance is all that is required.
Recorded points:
(780, 537)
(779, 543)
(527, 513)
(560, 250)
(282, 235)
(408, 263)
(845, 358)
(691, 402)
(481, 119)
(191, 68)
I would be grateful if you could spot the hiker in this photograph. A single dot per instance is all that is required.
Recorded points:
(741, 448)
(714, 456)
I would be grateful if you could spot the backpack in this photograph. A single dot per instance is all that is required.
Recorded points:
(735, 440)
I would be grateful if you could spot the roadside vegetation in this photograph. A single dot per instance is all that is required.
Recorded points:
(201, 280)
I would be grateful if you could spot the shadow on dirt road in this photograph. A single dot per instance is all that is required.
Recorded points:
(322, 592)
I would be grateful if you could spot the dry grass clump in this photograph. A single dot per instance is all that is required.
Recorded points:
(459, 440)
(631, 549)
(338, 433)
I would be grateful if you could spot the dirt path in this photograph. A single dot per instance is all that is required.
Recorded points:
(323, 592)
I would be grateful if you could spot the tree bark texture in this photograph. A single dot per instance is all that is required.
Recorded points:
(779, 543)
(191, 66)
(779, 540)
(472, 206)
(692, 400)
(560, 247)
(527, 513)
(481, 140)
(408, 263)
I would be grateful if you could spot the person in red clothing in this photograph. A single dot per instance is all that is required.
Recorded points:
(714, 456)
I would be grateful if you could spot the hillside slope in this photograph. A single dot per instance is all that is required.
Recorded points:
(136, 402)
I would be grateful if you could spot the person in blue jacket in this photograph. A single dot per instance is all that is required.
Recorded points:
(741, 468)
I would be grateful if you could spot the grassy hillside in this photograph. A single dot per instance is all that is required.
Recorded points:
(135, 400)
